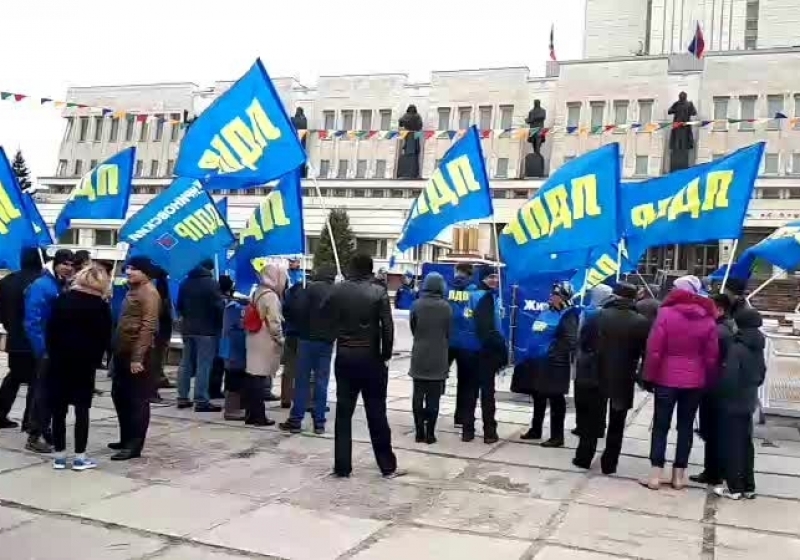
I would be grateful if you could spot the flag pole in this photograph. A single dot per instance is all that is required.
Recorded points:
(764, 285)
(730, 263)
(619, 259)
(318, 192)
(499, 265)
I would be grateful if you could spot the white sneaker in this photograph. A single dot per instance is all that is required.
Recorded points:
(60, 464)
(725, 493)
(749, 495)
(83, 464)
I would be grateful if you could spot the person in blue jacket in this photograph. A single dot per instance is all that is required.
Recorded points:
(232, 348)
(39, 298)
(464, 343)
(406, 294)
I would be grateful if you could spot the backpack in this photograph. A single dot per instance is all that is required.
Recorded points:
(252, 320)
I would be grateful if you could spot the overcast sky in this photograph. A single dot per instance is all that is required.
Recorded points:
(50, 45)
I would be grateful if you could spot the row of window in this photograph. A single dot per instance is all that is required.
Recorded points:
(748, 109)
(350, 119)
(154, 170)
(98, 127)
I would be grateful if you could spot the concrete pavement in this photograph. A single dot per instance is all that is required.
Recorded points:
(211, 490)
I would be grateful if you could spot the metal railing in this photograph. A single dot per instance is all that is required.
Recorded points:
(780, 393)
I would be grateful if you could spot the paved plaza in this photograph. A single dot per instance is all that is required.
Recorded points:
(211, 490)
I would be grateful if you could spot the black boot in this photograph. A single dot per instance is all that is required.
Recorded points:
(532, 433)
(430, 432)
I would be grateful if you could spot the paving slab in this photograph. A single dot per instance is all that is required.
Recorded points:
(626, 494)
(293, 533)
(643, 432)
(641, 448)
(520, 481)
(632, 534)
(12, 460)
(736, 544)
(11, 517)
(168, 510)
(766, 514)
(777, 464)
(777, 447)
(186, 552)
(447, 444)
(427, 469)
(559, 553)
(62, 539)
(490, 513)
(534, 456)
(778, 486)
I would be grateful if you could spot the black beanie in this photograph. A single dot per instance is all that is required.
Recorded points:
(625, 290)
(143, 265)
(63, 256)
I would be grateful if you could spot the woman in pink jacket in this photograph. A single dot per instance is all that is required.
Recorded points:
(682, 352)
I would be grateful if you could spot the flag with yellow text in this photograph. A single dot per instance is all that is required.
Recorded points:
(16, 226)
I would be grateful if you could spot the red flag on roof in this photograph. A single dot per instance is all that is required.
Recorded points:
(698, 45)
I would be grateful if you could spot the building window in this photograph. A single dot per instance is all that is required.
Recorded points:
(437, 163)
(380, 169)
(144, 132)
(771, 162)
(83, 129)
(645, 111)
(61, 170)
(485, 117)
(715, 157)
(464, 117)
(159, 128)
(377, 193)
(347, 120)
(797, 111)
(641, 166)
(506, 116)
(340, 193)
(774, 106)
(444, 118)
(312, 244)
(69, 237)
(372, 247)
(568, 159)
(98, 129)
(328, 120)
(366, 119)
(770, 193)
(154, 168)
(78, 168)
(521, 194)
(796, 164)
(751, 25)
(113, 136)
(747, 111)
(68, 131)
(105, 237)
(386, 119)
(598, 109)
(415, 193)
(138, 171)
(361, 169)
(397, 193)
(92, 164)
(176, 126)
(130, 123)
(500, 193)
(620, 112)
(721, 113)
(324, 168)
(341, 169)
(573, 114)
(170, 167)
(359, 193)
(502, 168)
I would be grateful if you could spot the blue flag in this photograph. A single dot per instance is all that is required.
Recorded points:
(16, 227)
(458, 191)
(43, 237)
(102, 194)
(781, 249)
(178, 229)
(703, 203)
(573, 212)
(245, 136)
(603, 266)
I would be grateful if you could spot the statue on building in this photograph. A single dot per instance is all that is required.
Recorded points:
(408, 163)
(300, 122)
(534, 162)
(681, 138)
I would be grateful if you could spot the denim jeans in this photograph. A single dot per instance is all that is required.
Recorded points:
(666, 400)
(197, 359)
(312, 356)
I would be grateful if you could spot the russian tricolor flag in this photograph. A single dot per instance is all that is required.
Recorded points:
(698, 45)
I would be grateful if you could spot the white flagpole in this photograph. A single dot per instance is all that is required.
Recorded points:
(764, 285)
(499, 266)
(619, 259)
(318, 191)
(730, 263)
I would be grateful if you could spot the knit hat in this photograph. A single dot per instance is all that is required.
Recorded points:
(689, 284)
(486, 271)
(143, 265)
(599, 295)
(625, 290)
(736, 286)
(63, 256)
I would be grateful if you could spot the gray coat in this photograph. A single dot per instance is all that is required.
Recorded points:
(430, 324)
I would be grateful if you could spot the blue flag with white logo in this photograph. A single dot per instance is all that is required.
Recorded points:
(781, 249)
(572, 213)
(603, 267)
(102, 194)
(43, 237)
(706, 202)
(458, 191)
(179, 228)
(244, 137)
(16, 228)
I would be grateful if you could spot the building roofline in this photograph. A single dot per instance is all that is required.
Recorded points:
(149, 85)
(363, 75)
(526, 68)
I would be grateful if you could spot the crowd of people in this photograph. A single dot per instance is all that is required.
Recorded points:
(691, 350)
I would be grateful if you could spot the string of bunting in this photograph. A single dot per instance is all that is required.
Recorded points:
(512, 132)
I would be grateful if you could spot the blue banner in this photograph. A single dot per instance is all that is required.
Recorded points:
(102, 194)
(178, 229)
(573, 212)
(40, 229)
(781, 249)
(458, 191)
(244, 137)
(602, 267)
(16, 227)
(703, 203)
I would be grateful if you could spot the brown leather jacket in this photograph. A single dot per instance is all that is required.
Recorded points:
(138, 321)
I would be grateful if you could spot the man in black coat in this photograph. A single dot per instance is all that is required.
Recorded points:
(622, 339)
(21, 362)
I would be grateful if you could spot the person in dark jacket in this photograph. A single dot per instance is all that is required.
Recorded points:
(21, 361)
(744, 372)
(709, 412)
(163, 337)
(381, 278)
(492, 356)
(464, 343)
(362, 318)
(648, 302)
(39, 298)
(233, 349)
(430, 320)
(200, 306)
(548, 375)
(78, 334)
(316, 334)
(621, 342)
(295, 278)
